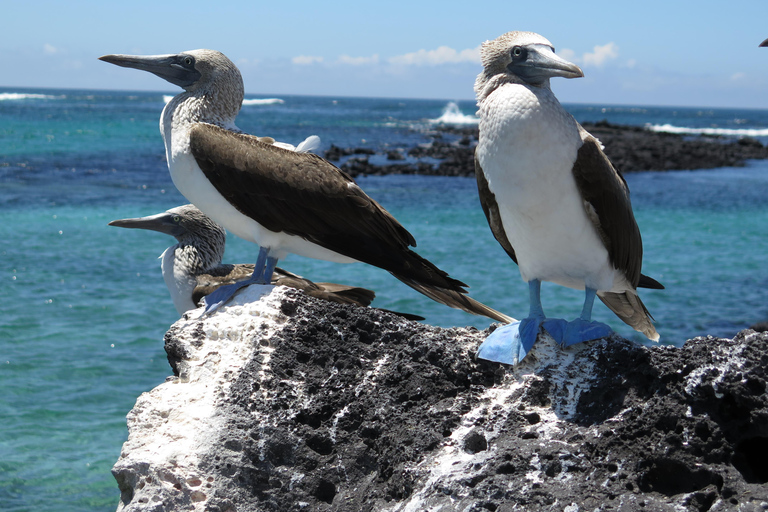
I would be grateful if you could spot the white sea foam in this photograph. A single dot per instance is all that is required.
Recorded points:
(263, 101)
(733, 132)
(452, 115)
(255, 101)
(16, 96)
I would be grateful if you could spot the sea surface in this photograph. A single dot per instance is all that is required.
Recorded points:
(84, 308)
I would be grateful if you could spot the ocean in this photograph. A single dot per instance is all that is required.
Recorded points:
(84, 307)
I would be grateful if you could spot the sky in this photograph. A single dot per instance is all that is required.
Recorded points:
(682, 53)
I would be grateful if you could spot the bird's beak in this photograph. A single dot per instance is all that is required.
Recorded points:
(542, 63)
(764, 43)
(162, 222)
(168, 67)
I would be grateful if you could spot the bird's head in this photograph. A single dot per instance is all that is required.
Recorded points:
(190, 70)
(184, 223)
(525, 57)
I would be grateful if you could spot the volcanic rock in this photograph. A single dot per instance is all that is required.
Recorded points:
(630, 149)
(281, 402)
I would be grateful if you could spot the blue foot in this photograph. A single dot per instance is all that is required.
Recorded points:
(581, 330)
(556, 328)
(510, 343)
(220, 295)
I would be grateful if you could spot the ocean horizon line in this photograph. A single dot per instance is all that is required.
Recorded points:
(270, 95)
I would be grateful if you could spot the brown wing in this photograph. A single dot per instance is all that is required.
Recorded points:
(229, 274)
(606, 198)
(302, 194)
(491, 210)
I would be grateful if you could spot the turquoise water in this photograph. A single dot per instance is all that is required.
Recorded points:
(85, 309)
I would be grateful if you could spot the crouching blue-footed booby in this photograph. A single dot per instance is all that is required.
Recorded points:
(192, 268)
(552, 198)
(285, 201)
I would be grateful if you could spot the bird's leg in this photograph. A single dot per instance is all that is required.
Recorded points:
(269, 269)
(510, 343)
(264, 264)
(583, 328)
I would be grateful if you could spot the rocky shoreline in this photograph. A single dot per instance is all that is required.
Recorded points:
(281, 402)
(449, 151)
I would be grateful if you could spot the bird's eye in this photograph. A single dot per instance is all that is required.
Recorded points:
(176, 218)
(188, 61)
(517, 51)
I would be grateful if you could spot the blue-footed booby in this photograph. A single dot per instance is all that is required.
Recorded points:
(192, 268)
(552, 198)
(285, 201)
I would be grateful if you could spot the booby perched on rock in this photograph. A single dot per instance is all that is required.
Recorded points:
(283, 200)
(192, 268)
(552, 198)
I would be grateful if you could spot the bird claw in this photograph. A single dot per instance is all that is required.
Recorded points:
(580, 330)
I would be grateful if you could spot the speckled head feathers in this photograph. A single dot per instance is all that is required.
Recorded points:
(494, 54)
(196, 223)
(523, 58)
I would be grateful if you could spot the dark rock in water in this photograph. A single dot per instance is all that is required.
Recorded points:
(288, 403)
(630, 148)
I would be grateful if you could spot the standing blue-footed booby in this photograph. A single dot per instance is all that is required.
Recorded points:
(552, 198)
(192, 268)
(285, 201)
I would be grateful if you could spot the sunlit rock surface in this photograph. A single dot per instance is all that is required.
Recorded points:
(289, 403)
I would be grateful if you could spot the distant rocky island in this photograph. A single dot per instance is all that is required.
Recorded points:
(630, 148)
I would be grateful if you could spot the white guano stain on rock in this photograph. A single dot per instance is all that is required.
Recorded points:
(178, 422)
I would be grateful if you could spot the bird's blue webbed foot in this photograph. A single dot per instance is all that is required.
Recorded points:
(510, 343)
(583, 328)
(262, 274)
(580, 330)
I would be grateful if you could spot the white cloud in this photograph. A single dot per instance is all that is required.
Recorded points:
(441, 55)
(359, 61)
(737, 77)
(568, 54)
(49, 49)
(601, 55)
(305, 60)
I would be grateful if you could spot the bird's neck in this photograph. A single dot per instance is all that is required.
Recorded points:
(217, 105)
(196, 257)
(485, 85)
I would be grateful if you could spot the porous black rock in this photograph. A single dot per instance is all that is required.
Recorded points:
(450, 151)
(288, 403)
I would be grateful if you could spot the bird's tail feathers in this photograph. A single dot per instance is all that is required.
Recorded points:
(649, 282)
(455, 299)
(354, 294)
(628, 306)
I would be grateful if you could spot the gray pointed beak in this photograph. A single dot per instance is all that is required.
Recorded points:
(173, 68)
(764, 43)
(542, 63)
(162, 222)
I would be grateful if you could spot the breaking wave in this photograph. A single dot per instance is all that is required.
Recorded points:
(16, 96)
(263, 101)
(453, 115)
(731, 132)
(246, 103)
